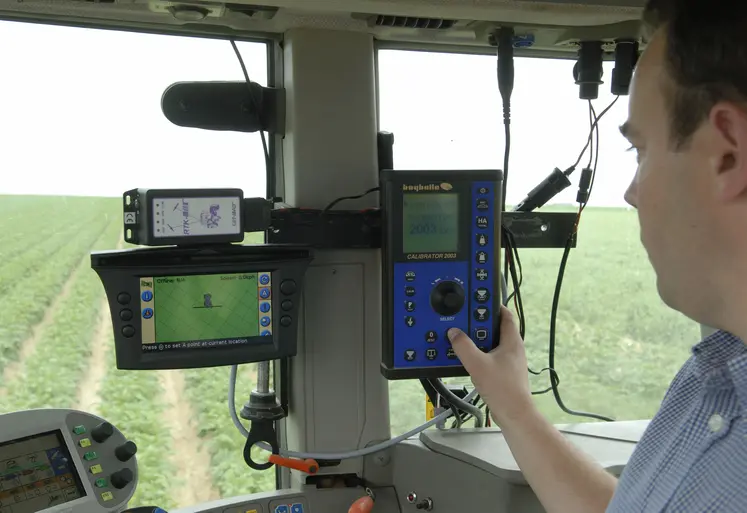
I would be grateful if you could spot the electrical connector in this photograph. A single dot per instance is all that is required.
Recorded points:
(584, 185)
(546, 190)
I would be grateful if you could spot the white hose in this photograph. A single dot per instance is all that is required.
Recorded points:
(330, 456)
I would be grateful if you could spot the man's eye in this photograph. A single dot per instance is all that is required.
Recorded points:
(637, 153)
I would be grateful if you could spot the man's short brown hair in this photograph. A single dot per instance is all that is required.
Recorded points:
(706, 57)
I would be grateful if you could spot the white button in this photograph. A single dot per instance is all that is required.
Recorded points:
(716, 422)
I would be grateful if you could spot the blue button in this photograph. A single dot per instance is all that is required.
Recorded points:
(147, 313)
(147, 295)
(264, 307)
(264, 293)
(266, 333)
(283, 508)
(265, 321)
(297, 508)
(264, 279)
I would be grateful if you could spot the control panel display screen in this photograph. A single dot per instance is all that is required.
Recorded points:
(36, 473)
(431, 223)
(204, 311)
(189, 217)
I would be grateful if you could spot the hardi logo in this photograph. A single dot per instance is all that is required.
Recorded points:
(431, 187)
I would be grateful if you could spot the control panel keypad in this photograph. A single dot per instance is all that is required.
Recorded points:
(432, 296)
(107, 458)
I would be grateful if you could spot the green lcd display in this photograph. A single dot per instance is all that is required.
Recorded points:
(430, 222)
(212, 310)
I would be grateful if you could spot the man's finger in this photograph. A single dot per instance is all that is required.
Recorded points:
(466, 350)
(509, 329)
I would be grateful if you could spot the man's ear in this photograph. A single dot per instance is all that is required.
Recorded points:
(728, 151)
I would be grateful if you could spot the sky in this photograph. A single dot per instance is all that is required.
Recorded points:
(80, 114)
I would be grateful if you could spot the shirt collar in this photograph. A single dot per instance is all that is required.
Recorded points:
(723, 354)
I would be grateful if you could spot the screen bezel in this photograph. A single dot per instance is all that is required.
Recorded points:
(396, 239)
(63, 445)
(251, 341)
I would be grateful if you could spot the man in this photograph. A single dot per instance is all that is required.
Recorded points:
(688, 123)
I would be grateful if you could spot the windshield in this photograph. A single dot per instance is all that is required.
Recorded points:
(617, 345)
(81, 122)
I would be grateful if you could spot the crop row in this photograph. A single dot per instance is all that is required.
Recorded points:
(50, 377)
(24, 304)
(207, 391)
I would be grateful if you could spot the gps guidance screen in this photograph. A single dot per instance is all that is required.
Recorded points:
(204, 311)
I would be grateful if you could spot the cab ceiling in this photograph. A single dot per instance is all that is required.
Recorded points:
(552, 26)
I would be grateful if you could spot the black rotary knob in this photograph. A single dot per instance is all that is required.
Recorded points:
(102, 432)
(447, 298)
(125, 451)
(121, 478)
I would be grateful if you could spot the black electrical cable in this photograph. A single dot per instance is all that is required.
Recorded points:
(559, 283)
(592, 116)
(512, 254)
(359, 196)
(504, 41)
(591, 133)
(268, 166)
(596, 157)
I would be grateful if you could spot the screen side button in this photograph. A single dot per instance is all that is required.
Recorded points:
(288, 287)
(286, 321)
(123, 298)
(125, 314)
(128, 331)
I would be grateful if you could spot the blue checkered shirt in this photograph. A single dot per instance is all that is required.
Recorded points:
(693, 455)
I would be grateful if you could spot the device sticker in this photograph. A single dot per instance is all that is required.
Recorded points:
(190, 217)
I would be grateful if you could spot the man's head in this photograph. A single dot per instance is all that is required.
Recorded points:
(688, 122)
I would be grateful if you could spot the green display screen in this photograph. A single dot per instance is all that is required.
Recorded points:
(430, 223)
(224, 309)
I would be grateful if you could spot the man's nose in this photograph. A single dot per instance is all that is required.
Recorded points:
(631, 195)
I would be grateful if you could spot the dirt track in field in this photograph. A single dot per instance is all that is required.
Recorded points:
(190, 456)
(88, 399)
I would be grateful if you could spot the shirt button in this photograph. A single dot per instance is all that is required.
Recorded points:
(716, 422)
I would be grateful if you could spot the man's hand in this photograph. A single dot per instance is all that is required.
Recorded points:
(564, 479)
(500, 376)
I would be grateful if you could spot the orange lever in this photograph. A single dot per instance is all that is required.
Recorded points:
(309, 466)
(362, 505)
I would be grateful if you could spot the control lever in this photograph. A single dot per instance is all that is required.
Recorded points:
(262, 411)
(309, 466)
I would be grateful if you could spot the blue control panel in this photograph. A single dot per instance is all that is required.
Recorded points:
(442, 268)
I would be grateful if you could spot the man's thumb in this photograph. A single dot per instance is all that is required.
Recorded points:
(466, 350)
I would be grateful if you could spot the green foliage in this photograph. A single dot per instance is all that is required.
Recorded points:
(59, 361)
(33, 273)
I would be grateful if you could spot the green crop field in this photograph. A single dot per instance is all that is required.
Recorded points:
(618, 346)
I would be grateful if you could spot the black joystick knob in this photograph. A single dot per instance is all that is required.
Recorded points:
(447, 298)
(122, 478)
(102, 432)
(125, 451)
